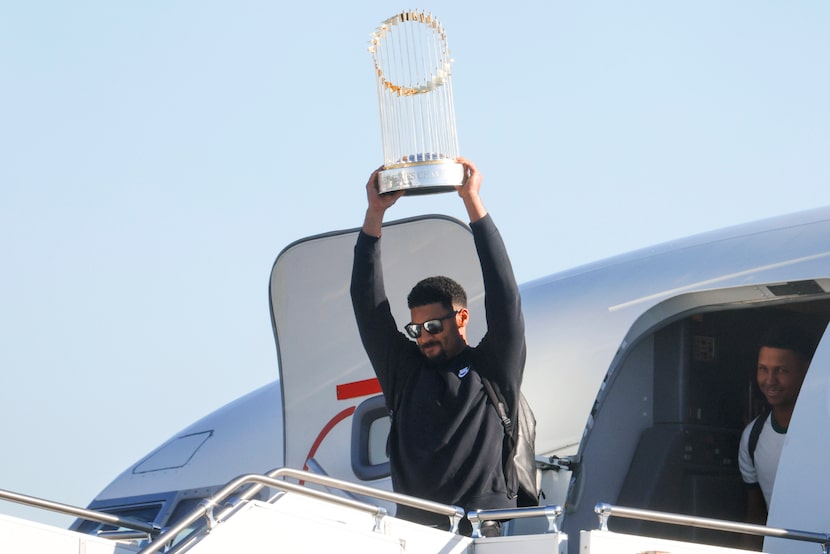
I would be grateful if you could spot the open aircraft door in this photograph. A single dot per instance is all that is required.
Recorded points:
(324, 372)
(802, 484)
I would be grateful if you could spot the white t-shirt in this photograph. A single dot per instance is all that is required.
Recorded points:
(767, 453)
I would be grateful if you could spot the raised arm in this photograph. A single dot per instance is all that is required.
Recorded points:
(504, 341)
(378, 204)
(469, 191)
(377, 328)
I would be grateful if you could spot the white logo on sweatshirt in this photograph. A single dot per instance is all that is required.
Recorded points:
(463, 372)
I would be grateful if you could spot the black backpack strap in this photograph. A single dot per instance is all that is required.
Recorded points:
(757, 427)
(498, 403)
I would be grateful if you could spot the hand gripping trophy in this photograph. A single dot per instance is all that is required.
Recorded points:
(417, 119)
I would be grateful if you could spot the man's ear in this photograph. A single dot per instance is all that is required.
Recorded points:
(462, 317)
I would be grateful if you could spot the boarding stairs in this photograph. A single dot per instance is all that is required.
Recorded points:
(322, 514)
(315, 513)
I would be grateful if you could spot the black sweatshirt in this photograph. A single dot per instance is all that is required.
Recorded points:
(446, 442)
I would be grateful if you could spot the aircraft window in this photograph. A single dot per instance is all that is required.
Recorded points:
(146, 513)
(174, 454)
(378, 432)
(370, 427)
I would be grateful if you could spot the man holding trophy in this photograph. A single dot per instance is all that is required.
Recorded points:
(446, 440)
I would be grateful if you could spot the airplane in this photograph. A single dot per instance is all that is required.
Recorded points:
(640, 371)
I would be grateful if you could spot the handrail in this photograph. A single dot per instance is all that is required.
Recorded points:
(380, 494)
(552, 513)
(122, 535)
(314, 466)
(100, 517)
(605, 511)
(205, 509)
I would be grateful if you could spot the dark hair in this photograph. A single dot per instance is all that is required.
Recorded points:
(437, 289)
(790, 337)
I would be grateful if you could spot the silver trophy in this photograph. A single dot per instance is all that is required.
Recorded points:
(417, 119)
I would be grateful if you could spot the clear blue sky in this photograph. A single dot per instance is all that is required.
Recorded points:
(156, 156)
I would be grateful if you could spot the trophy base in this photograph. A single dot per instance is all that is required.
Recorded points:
(422, 178)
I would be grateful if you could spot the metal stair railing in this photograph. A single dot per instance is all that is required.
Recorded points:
(273, 479)
(605, 511)
(148, 530)
(551, 513)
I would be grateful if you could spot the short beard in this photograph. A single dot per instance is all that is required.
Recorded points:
(437, 360)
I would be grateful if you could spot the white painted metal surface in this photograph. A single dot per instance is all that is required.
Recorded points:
(553, 543)
(606, 542)
(21, 536)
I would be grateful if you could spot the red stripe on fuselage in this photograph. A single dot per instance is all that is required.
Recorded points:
(357, 389)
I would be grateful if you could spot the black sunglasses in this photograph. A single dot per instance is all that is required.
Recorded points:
(433, 326)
